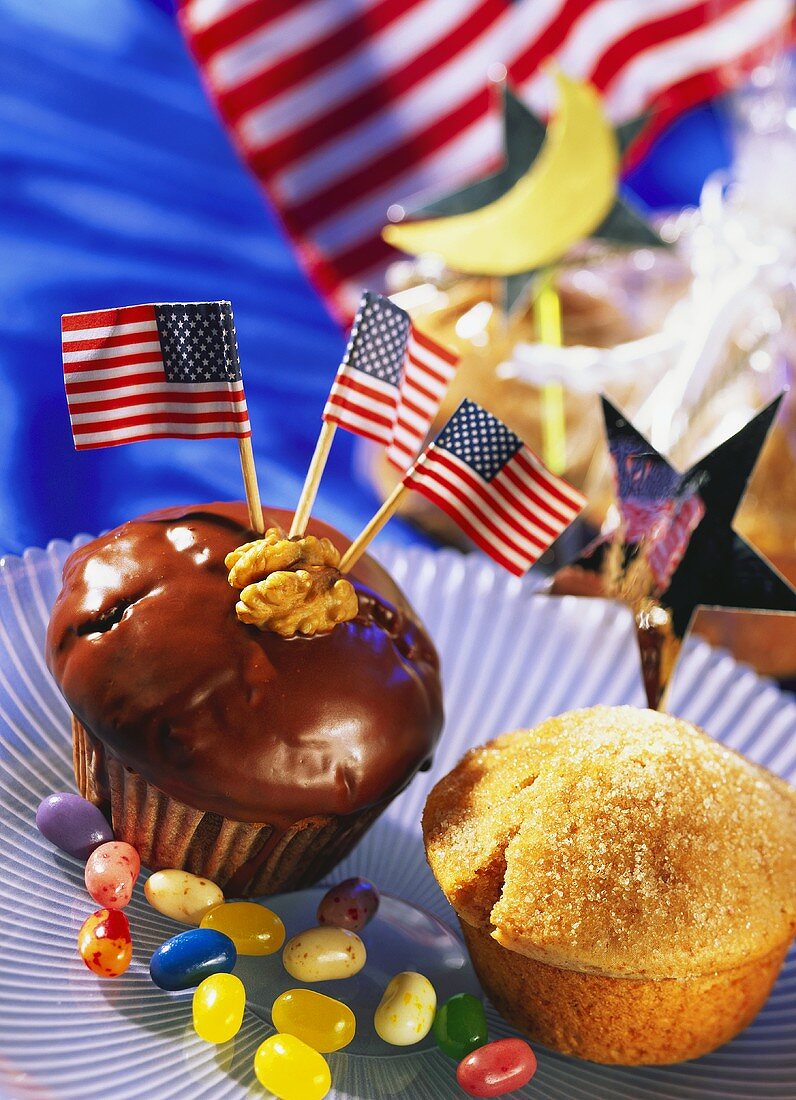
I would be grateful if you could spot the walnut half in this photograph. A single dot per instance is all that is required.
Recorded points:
(291, 586)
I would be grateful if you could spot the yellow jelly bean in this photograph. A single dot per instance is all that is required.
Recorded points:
(321, 954)
(291, 1070)
(218, 1004)
(253, 929)
(319, 1021)
(406, 1011)
(181, 895)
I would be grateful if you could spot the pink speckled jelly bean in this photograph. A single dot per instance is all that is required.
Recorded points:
(111, 871)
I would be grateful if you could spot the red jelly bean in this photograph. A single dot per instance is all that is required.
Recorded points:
(111, 871)
(497, 1068)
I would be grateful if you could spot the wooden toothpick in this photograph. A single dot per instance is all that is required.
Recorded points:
(313, 479)
(361, 542)
(250, 484)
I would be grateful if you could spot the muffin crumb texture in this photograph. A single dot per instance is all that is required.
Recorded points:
(618, 841)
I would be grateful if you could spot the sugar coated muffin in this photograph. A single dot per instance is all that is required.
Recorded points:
(248, 731)
(625, 884)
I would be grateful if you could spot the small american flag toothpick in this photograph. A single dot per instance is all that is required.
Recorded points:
(388, 389)
(144, 372)
(484, 477)
(167, 370)
(391, 381)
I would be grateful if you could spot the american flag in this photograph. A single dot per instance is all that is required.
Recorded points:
(497, 490)
(391, 380)
(341, 109)
(149, 371)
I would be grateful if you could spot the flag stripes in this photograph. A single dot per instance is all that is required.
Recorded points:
(428, 371)
(143, 372)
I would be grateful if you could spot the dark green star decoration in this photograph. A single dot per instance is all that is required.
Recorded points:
(523, 137)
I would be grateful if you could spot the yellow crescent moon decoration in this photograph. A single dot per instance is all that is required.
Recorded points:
(562, 198)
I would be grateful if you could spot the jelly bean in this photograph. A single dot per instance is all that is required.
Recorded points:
(218, 1005)
(349, 905)
(497, 1068)
(181, 895)
(460, 1025)
(104, 943)
(111, 871)
(319, 1021)
(291, 1070)
(406, 1010)
(72, 824)
(253, 929)
(188, 958)
(321, 954)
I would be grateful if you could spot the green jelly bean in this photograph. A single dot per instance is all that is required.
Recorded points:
(460, 1026)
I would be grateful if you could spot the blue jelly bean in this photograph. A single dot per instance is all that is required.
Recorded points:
(188, 958)
(72, 824)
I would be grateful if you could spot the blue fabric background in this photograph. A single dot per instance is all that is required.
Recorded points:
(117, 186)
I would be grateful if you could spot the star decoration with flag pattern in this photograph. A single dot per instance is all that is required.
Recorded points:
(714, 566)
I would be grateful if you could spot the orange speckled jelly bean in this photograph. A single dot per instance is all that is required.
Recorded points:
(104, 943)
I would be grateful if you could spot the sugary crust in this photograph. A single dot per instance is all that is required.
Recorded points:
(619, 842)
(621, 1020)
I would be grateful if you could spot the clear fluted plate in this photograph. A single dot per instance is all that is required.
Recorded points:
(510, 658)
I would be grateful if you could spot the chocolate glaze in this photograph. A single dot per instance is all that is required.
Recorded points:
(147, 649)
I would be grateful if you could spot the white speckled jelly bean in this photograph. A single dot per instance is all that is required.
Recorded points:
(322, 954)
(406, 1011)
(181, 895)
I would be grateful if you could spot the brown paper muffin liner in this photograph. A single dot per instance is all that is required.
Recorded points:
(626, 1021)
(244, 858)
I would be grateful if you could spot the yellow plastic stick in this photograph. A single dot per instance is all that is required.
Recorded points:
(547, 318)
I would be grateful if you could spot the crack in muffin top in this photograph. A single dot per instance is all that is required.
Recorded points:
(617, 841)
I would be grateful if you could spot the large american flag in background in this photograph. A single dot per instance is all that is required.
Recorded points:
(342, 107)
(484, 477)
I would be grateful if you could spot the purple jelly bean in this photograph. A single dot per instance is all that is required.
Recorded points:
(72, 824)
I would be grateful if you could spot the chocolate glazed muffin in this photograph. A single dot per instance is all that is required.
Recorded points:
(253, 759)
